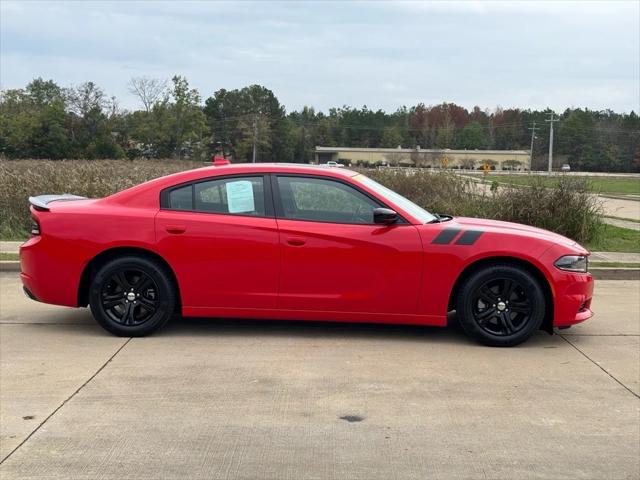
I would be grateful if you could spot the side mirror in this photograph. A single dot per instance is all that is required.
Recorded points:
(384, 216)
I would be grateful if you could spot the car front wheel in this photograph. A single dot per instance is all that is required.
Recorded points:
(132, 296)
(501, 305)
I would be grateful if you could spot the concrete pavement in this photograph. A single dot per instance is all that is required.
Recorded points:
(277, 400)
(617, 207)
(619, 222)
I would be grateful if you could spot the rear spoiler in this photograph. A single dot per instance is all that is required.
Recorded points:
(41, 201)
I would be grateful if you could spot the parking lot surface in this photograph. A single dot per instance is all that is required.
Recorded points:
(208, 398)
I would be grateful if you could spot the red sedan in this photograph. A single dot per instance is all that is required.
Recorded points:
(275, 241)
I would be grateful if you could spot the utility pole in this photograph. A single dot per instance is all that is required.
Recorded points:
(551, 120)
(255, 136)
(533, 136)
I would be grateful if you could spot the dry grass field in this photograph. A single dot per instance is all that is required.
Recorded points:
(20, 179)
(567, 208)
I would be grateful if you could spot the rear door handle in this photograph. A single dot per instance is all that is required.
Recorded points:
(296, 241)
(176, 229)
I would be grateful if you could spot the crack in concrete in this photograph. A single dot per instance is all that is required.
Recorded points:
(43, 323)
(600, 334)
(66, 400)
(601, 368)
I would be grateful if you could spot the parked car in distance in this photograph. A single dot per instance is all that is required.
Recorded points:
(565, 167)
(332, 163)
(278, 241)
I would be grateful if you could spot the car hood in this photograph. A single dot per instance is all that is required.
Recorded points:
(510, 228)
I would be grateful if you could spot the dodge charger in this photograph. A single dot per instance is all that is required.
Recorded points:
(294, 242)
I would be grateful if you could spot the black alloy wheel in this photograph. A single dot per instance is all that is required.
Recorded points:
(501, 305)
(132, 296)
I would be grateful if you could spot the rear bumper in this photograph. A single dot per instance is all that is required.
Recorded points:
(28, 293)
(47, 273)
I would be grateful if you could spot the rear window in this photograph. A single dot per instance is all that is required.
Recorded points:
(181, 198)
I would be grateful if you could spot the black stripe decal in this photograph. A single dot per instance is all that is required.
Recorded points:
(445, 236)
(469, 237)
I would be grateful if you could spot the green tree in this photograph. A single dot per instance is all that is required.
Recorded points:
(32, 121)
(472, 137)
(391, 138)
(445, 136)
(189, 120)
(236, 117)
(43, 120)
(90, 122)
(576, 138)
(507, 129)
(304, 133)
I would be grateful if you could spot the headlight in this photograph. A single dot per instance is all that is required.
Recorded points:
(573, 263)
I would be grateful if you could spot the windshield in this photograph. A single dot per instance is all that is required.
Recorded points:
(407, 205)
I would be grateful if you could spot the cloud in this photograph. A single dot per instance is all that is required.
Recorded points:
(383, 54)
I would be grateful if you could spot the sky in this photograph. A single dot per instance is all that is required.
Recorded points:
(382, 54)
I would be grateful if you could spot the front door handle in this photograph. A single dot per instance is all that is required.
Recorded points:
(296, 241)
(176, 229)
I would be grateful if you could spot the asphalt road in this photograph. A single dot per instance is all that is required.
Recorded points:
(277, 400)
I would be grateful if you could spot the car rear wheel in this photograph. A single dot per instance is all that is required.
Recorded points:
(132, 296)
(501, 305)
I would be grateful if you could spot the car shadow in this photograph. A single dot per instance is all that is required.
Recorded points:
(188, 326)
(80, 321)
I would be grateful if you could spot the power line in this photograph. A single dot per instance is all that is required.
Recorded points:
(335, 123)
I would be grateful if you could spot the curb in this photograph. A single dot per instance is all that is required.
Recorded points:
(615, 273)
(598, 273)
(9, 266)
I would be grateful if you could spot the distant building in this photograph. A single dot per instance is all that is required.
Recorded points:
(410, 157)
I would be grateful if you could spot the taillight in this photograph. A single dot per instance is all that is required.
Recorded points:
(35, 227)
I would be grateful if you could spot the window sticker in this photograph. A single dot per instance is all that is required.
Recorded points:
(240, 196)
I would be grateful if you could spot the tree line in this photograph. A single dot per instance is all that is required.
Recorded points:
(45, 120)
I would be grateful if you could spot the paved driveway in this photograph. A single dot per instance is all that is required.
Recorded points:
(241, 399)
(617, 207)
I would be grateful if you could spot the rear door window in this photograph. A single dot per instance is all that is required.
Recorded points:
(235, 196)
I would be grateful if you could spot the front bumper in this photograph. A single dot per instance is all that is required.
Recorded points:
(572, 292)
(572, 299)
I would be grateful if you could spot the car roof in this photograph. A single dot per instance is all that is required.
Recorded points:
(249, 168)
(280, 168)
(132, 195)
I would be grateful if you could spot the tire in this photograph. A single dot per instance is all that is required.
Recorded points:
(501, 305)
(132, 296)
